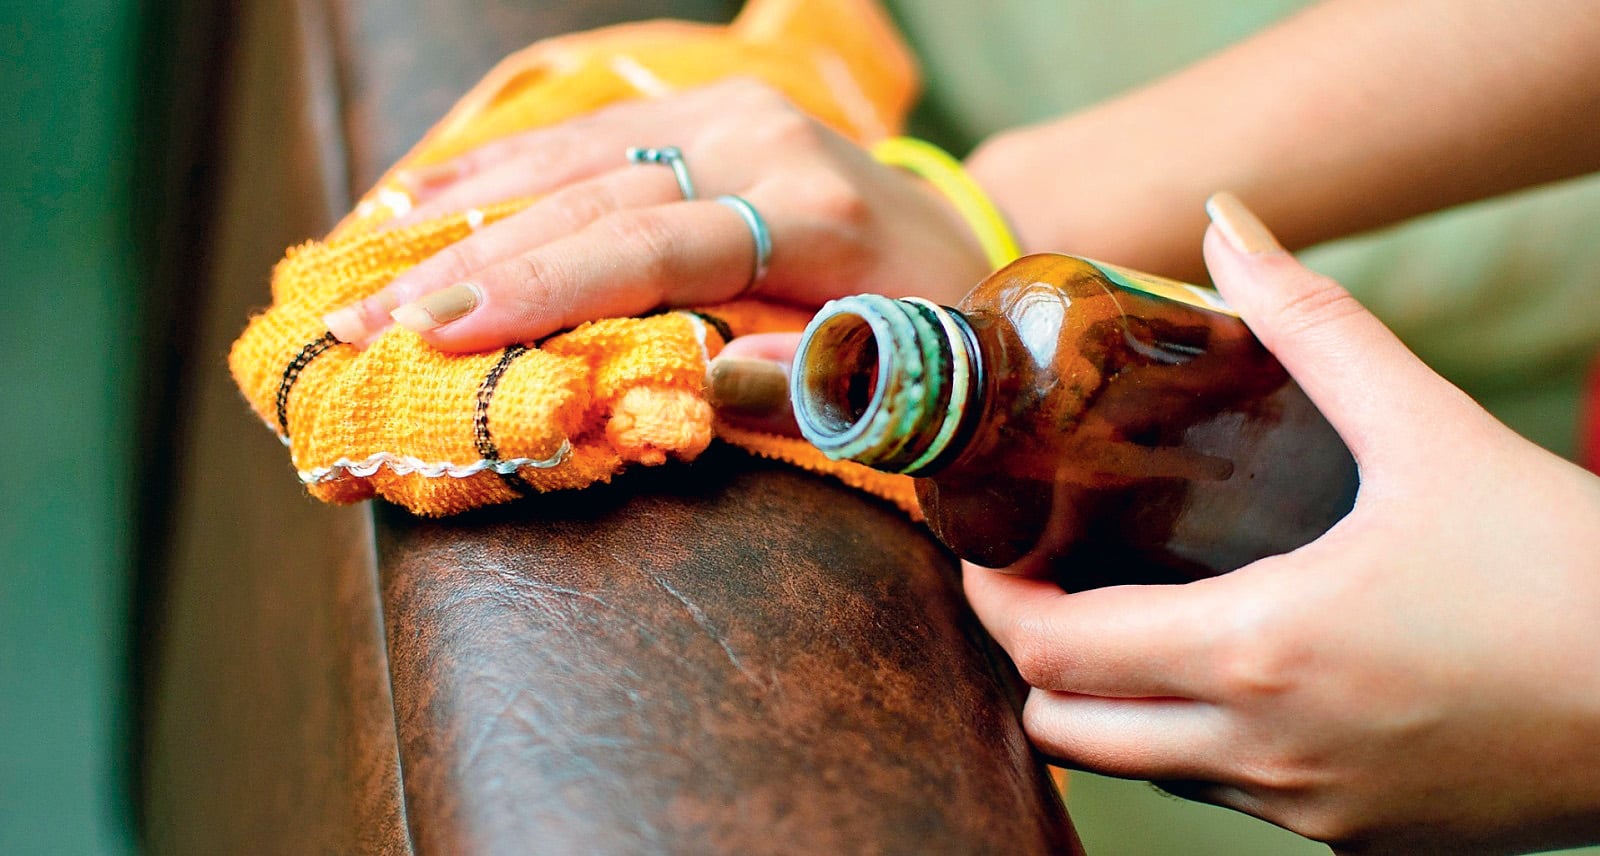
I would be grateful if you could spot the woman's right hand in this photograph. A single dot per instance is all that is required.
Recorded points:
(1423, 678)
(609, 238)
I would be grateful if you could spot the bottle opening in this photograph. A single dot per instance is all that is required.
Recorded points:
(875, 380)
(837, 397)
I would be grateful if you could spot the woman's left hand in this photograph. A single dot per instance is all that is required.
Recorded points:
(1425, 677)
(610, 238)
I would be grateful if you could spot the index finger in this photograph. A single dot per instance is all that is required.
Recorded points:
(623, 264)
(1140, 641)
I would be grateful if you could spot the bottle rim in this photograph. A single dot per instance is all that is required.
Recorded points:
(881, 381)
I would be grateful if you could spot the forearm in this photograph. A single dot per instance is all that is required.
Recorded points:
(1348, 116)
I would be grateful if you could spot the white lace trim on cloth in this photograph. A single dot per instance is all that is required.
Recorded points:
(402, 465)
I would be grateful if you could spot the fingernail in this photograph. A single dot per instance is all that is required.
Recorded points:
(345, 324)
(438, 308)
(423, 177)
(353, 323)
(755, 388)
(1243, 229)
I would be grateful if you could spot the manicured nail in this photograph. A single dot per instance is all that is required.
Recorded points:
(354, 323)
(438, 308)
(345, 324)
(420, 178)
(1243, 229)
(752, 388)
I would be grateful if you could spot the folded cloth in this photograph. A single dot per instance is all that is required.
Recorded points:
(442, 433)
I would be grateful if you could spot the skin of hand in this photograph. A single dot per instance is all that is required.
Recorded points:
(610, 238)
(1423, 678)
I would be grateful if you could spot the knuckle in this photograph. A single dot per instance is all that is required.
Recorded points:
(540, 152)
(518, 273)
(1252, 672)
(481, 158)
(1281, 773)
(834, 198)
(787, 129)
(750, 93)
(459, 259)
(1031, 649)
(1044, 729)
(647, 237)
(472, 161)
(1315, 301)
(528, 284)
(547, 151)
(1259, 656)
(577, 208)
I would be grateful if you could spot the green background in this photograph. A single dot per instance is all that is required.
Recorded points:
(70, 327)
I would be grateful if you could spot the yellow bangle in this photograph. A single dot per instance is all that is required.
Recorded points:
(946, 174)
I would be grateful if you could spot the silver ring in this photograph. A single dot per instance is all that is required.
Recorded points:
(758, 231)
(671, 156)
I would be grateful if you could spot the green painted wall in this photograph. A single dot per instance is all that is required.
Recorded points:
(68, 329)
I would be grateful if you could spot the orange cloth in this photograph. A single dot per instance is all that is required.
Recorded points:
(442, 433)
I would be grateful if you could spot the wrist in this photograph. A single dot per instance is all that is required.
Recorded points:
(968, 199)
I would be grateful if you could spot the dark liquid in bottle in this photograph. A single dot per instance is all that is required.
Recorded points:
(1126, 437)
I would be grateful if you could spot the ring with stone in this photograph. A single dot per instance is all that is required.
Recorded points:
(670, 156)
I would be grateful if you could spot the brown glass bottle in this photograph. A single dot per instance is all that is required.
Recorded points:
(1073, 418)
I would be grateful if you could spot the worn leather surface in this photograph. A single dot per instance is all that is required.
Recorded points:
(730, 658)
(735, 657)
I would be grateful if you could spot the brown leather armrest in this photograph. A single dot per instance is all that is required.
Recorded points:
(735, 658)
(671, 680)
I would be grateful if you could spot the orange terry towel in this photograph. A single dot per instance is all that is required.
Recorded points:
(442, 433)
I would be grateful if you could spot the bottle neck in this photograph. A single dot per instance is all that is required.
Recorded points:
(887, 383)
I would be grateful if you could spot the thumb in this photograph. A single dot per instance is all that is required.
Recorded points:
(749, 382)
(1371, 388)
